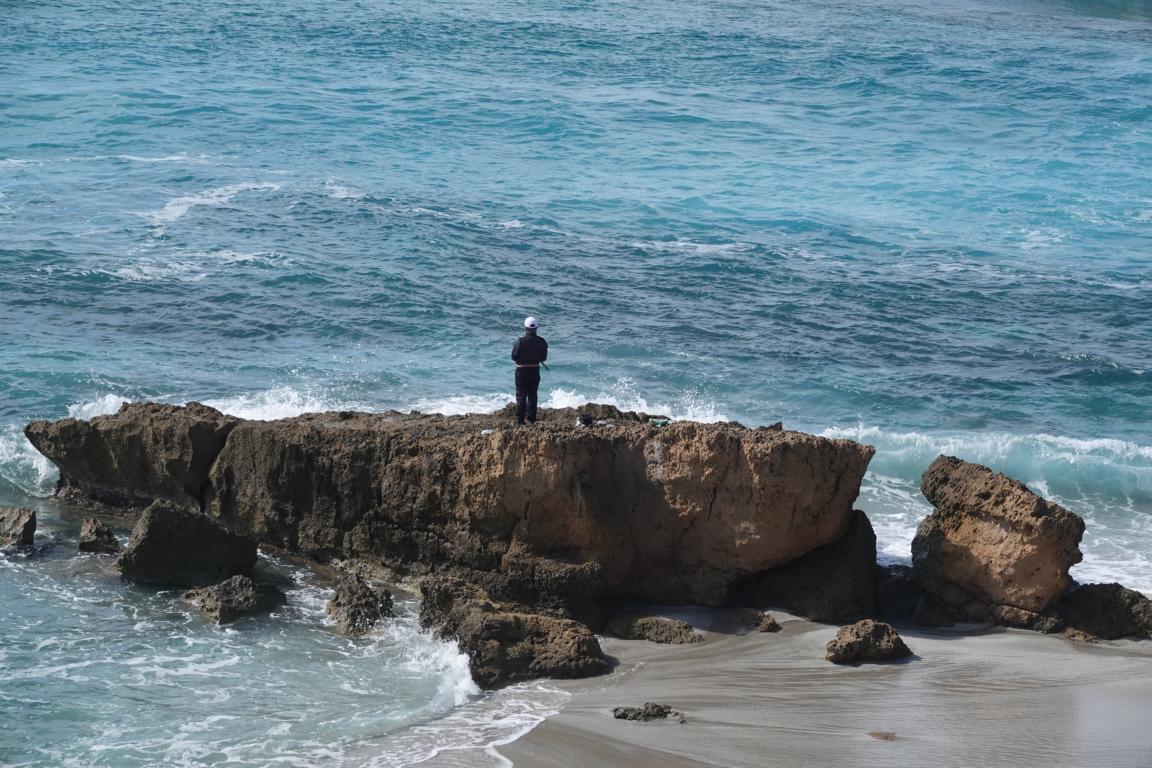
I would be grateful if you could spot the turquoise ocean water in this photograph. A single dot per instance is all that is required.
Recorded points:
(925, 225)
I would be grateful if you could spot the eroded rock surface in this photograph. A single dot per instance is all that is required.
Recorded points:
(833, 584)
(144, 452)
(506, 643)
(174, 546)
(97, 538)
(992, 542)
(17, 527)
(235, 598)
(356, 607)
(549, 515)
(656, 629)
(866, 640)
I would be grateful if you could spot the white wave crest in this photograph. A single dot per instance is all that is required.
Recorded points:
(689, 406)
(177, 207)
(280, 403)
(24, 467)
(100, 406)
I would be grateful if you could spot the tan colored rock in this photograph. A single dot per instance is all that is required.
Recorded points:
(992, 542)
(505, 643)
(144, 452)
(657, 629)
(550, 514)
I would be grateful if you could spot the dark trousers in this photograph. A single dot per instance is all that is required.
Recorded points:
(527, 384)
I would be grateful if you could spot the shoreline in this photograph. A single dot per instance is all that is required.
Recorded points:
(972, 696)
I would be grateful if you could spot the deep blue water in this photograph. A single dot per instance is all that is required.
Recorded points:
(925, 224)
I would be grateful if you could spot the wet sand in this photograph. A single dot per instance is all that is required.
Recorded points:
(977, 697)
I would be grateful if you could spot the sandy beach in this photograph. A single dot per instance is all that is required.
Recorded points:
(969, 697)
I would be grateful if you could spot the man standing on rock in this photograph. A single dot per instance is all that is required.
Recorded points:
(529, 353)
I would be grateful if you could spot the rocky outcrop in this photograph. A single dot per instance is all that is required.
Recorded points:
(176, 547)
(866, 640)
(546, 516)
(236, 598)
(656, 629)
(97, 538)
(356, 607)
(506, 643)
(144, 452)
(992, 543)
(647, 713)
(17, 527)
(833, 584)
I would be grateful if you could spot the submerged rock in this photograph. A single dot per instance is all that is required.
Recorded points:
(647, 713)
(356, 607)
(96, 537)
(835, 583)
(235, 598)
(992, 542)
(866, 640)
(174, 546)
(17, 527)
(656, 629)
(506, 644)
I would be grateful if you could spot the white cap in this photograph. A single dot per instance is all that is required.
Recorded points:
(531, 322)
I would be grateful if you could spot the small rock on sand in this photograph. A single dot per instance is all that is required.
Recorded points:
(648, 712)
(866, 640)
(657, 629)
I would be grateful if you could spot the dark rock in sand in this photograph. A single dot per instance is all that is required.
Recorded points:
(17, 527)
(1108, 611)
(835, 583)
(96, 537)
(357, 607)
(757, 621)
(144, 452)
(656, 629)
(174, 546)
(506, 644)
(647, 713)
(235, 598)
(866, 641)
(992, 542)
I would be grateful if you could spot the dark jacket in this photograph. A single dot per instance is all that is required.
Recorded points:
(530, 349)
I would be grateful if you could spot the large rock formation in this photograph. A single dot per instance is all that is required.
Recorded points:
(146, 451)
(544, 516)
(992, 545)
(834, 584)
(17, 526)
(174, 546)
